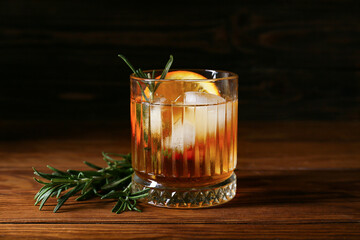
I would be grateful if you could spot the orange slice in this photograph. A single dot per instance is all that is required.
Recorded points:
(182, 75)
(172, 90)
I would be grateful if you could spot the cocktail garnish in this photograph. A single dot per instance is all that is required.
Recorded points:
(113, 181)
(151, 85)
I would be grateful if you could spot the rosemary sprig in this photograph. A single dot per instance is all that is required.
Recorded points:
(113, 181)
(149, 84)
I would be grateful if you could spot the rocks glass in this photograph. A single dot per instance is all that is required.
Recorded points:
(184, 138)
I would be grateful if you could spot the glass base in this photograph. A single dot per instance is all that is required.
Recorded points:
(199, 197)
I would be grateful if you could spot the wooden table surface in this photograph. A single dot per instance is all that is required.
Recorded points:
(296, 180)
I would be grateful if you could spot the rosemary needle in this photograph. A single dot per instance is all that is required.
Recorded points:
(151, 85)
(113, 181)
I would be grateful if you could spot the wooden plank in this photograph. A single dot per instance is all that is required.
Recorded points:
(261, 146)
(273, 156)
(265, 197)
(180, 231)
(296, 180)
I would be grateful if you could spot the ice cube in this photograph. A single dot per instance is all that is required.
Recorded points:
(203, 114)
(182, 135)
(155, 116)
(207, 117)
(201, 98)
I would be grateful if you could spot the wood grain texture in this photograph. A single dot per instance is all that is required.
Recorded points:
(296, 60)
(180, 231)
(263, 197)
(296, 180)
(283, 145)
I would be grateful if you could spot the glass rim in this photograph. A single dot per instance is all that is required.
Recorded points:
(232, 76)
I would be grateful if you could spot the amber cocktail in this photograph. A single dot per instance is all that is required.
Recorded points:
(184, 137)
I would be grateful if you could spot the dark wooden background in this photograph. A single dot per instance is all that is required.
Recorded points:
(297, 60)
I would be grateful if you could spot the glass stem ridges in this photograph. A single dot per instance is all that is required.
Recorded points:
(151, 85)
